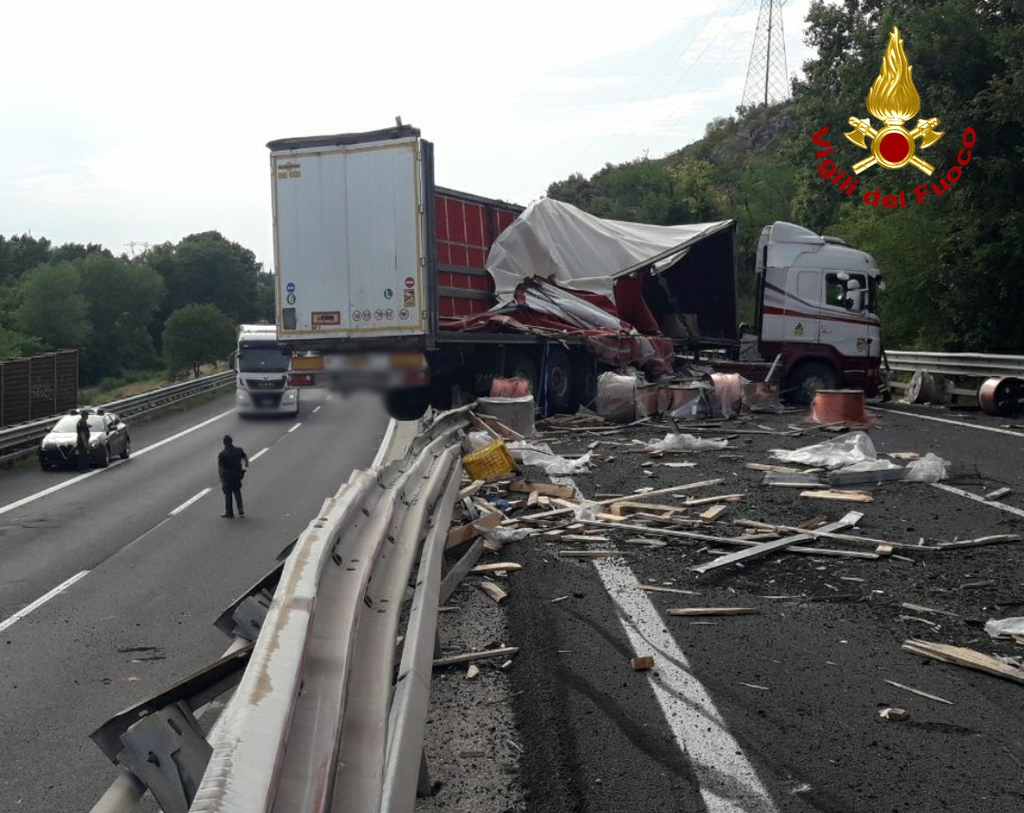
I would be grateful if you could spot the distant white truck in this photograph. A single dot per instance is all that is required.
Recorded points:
(263, 370)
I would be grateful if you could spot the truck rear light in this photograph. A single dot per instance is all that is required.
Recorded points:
(414, 377)
(408, 361)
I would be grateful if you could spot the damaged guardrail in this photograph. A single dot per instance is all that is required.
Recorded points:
(319, 719)
(20, 440)
(950, 369)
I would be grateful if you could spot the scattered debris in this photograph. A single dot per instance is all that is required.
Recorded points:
(961, 656)
(495, 567)
(492, 590)
(469, 490)
(918, 692)
(472, 672)
(685, 443)
(694, 611)
(650, 588)
(755, 686)
(998, 494)
(898, 715)
(1005, 627)
(466, 657)
(714, 513)
(464, 533)
(843, 496)
(996, 539)
(588, 554)
(642, 663)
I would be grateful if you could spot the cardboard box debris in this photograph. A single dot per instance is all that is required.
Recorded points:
(642, 663)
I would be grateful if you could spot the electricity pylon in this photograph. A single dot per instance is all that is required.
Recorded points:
(767, 79)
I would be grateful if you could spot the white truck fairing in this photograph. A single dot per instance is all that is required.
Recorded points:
(350, 237)
(262, 365)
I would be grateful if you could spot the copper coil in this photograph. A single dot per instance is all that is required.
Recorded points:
(839, 406)
(1002, 395)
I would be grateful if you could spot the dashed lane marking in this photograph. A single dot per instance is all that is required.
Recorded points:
(317, 409)
(295, 427)
(189, 501)
(259, 454)
(39, 602)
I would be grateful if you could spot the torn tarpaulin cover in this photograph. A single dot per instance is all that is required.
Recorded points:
(548, 310)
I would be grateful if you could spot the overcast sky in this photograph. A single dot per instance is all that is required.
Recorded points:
(143, 122)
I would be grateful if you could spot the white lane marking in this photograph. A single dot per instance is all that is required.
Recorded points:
(182, 433)
(728, 782)
(295, 427)
(950, 420)
(39, 602)
(189, 501)
(46, 492)
(1000, 505)
(385, 444)
(317, 409)
(259, 454)
(329, 397)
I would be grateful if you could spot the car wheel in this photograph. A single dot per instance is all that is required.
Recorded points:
(807, 378)
(44, 465)
(126, 452)
(105, 460)
(560, 391)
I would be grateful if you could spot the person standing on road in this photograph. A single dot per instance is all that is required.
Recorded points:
(231, 472)
(82, 440)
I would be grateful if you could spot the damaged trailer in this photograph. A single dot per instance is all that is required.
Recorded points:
(386, 281)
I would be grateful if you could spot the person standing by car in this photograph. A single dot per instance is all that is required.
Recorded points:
(231, 472)
(82, 440)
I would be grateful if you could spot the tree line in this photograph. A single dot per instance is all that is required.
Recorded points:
(952, 261)
(173, 307)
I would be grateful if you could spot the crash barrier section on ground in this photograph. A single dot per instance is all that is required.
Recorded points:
(18, 441)
(320, 718)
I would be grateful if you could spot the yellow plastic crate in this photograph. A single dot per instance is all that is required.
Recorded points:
(489, 461)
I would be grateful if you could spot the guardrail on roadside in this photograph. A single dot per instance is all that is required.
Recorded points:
(318, 718)
(963, 372)
(20, 440)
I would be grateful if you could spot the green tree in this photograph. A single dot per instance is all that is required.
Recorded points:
(207, 268)
(20, 253)
(195, 335)
(123, 298)
(53, 307)
(16, 345)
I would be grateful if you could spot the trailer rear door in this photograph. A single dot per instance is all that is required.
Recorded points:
(351, 237)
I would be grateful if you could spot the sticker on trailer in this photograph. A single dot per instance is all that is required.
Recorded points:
(290, 299)
(410, 282)
(389, 314)
(388, 293)
(378, 314)
(798, 329)
(290, 287)
(321, 318)
(409, 299)
(403, 314)
(356, 316)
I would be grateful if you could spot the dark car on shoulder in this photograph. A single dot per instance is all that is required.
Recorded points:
(108, 436)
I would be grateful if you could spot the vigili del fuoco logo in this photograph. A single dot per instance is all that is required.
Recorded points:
(893, 100)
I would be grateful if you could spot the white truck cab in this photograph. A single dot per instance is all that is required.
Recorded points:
(263, 367)
(818, 308)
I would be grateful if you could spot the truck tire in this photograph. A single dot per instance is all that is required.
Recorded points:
(584, 380)
(522, 365)
(407, 403)
(806, 379)
(559, 384)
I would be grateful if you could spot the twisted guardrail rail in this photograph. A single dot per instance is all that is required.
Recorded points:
(320, 719)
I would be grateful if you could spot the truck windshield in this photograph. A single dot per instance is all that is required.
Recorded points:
(262, 360)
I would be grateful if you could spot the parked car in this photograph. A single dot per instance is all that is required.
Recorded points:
(108, 436)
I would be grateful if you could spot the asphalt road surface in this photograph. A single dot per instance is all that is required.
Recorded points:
(146, 563)
(777, 711)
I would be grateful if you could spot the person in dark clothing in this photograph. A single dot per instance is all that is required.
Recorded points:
(82, 440)
(231, 472)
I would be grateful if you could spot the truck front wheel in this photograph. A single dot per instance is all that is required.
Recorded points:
(407, 403)
(806, 379)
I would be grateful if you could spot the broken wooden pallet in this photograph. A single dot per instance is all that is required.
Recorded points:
(961, 656)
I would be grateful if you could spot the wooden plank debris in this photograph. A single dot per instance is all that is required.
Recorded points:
(775, 469)
(676, 591)
(864, 540)
(714, 513)
(918, 692)
(840, 496)
(884, 550)
(494, 426)
(547, 489)
(492, 590)
(998, 494)
(495, 567)
(962, 656)
(469, 490)
(730, 540)
(848, 521)
(996, 539)
(464, 533)
(472, 672)
(466, 657)
(919, 608)
(699, 611)
(588, 554)
(840, 479)
(712, 500)
(642, 663)
(656, 493)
